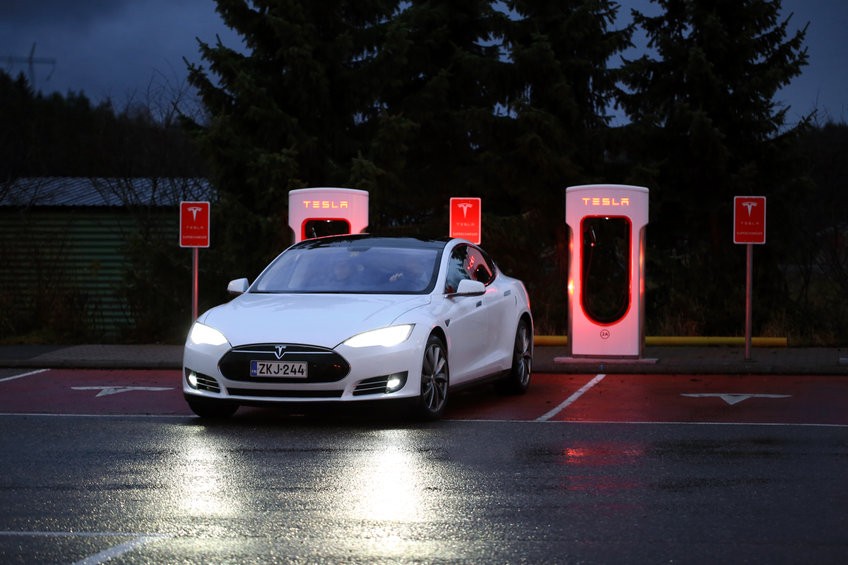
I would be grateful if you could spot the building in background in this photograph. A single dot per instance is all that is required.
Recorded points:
(63, 247)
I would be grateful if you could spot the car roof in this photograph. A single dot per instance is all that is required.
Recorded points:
(369, 240)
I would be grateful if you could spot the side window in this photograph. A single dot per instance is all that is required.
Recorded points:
(456, 268)
(479, 267)
(468, 262)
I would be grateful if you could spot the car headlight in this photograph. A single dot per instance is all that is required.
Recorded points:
(202, 334)
(387, 337)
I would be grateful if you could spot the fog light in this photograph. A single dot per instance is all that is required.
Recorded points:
(191, 378)
(395, 382)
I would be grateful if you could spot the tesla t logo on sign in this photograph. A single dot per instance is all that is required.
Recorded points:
(749, 219)
(194, 224)
(466, 219)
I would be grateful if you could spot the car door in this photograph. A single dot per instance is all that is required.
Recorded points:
(467, 318)
(499, 304)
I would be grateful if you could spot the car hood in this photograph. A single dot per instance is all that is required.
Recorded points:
(315, 319)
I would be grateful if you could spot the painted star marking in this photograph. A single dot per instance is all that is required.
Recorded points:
(734, 398)
(107, 390)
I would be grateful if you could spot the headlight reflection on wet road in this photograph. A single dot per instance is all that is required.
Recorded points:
(202, 478)
(386, 483)
(387, 494)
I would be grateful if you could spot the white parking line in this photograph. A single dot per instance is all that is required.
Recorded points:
(571, 399)
(22, 375)
(118, 550)
(103, 556)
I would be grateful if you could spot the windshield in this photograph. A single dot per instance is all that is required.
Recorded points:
(350, 269)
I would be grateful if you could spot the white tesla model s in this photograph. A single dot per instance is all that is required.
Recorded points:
(357, 318)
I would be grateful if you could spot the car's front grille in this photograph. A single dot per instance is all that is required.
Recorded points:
(265, 393)
(323, 365)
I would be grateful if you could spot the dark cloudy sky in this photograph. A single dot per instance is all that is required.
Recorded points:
(134, 49)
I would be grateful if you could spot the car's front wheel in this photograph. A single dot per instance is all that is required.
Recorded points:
(518, 379)
(434, 380)
(208, 408)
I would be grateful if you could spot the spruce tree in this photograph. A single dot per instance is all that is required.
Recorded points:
(432, 106)
(552, 132)
(560, 89)
(283, 110)
(706, 126)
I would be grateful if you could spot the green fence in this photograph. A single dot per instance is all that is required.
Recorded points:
(64, 267)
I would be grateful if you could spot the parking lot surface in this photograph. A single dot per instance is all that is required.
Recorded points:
(564, 397)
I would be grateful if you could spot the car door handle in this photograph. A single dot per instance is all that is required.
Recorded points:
(480, 303)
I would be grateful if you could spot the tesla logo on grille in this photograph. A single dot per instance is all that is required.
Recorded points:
(279, 351)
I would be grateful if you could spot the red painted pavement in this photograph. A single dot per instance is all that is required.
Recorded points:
(667, 398)
(714, 398)
(74, 391)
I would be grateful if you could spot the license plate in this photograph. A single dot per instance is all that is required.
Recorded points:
(291, 369)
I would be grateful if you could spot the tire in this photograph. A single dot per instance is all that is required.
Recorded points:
(517, 380)
(212, 409)
(435, 380)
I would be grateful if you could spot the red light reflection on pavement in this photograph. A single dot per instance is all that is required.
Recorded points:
(592, 467)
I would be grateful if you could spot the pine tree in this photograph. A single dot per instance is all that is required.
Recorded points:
(706, 127)
(559, 92)
(283, 109)
(431, 109)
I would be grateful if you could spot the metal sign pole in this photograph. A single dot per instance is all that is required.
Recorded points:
(194, 233)
(749, 227)
(748, 299)
(194, 284)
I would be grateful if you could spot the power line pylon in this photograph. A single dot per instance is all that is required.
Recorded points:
(31, 61)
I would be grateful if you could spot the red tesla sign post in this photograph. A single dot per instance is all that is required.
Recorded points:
(466, 219)
(194, 233)
(749, 228)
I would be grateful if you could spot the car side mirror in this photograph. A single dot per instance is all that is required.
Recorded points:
(468, 287)
(237, 286)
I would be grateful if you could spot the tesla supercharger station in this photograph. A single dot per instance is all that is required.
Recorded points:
(606, 285)
(318, 212)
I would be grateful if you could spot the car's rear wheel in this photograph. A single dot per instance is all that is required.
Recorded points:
(518, 379)
(213, 409)
(435, 378)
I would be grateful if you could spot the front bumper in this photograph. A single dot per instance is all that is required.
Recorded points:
(369, 373)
